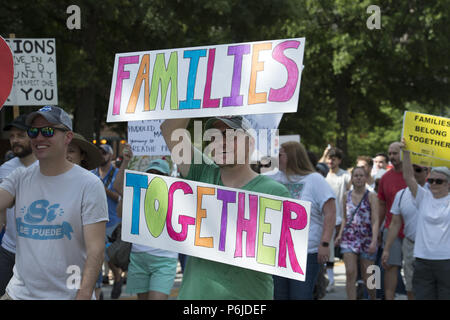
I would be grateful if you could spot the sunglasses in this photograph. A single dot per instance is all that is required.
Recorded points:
(47, 132)
(438, 181)
(419, 169)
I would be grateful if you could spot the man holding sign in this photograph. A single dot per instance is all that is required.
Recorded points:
(204, 279)
(215, 81)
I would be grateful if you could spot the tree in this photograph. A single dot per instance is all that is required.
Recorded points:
(355, 84)
(352, 74)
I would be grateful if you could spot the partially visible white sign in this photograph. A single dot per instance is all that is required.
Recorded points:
(35, 82)
(146, 139)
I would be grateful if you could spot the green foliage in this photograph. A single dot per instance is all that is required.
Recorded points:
(354, 88)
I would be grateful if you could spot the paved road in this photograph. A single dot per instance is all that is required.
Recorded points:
(338, 293)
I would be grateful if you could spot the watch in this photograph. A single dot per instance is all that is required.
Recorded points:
(325, 244)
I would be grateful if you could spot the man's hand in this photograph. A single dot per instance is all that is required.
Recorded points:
(127, 153)
(373, 247)
(384, 259)
(323, 254)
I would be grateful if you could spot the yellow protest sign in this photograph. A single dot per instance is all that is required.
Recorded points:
(428, 136)
(426, 161)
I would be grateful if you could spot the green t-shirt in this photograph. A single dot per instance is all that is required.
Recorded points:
(210, 280)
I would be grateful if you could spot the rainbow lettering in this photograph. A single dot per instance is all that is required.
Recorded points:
(248, 78)
(251, 230)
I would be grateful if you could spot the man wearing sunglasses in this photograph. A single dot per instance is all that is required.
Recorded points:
(60, 214)
(431, 280)
(404, 212)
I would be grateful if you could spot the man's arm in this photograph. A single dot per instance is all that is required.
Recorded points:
(6, 201)
(112, 194)
(338, 238)
(94, 239)
(374, 217)
(393, 230)
(2, 220)
(329, 222)
(381, 212)
(408, 171)
(127, 155)
(177, 128)
(324, 155)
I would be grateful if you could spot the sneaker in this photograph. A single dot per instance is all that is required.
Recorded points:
(330, 287)
(117, 289)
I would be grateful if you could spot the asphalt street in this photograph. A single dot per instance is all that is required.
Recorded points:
(337, 294)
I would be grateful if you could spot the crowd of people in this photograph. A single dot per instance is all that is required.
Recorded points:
(384, 211)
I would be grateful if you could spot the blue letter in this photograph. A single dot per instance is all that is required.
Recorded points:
(190, 102)
(138, 182)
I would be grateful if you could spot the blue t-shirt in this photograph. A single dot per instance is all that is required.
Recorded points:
(112, 204)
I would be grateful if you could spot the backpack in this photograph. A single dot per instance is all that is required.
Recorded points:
(119, 251)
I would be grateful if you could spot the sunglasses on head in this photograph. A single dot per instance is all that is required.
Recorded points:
(438, 181)
(47, 132)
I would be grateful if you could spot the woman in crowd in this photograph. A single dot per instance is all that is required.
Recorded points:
(359, 231)
(83, 153)
(152, 271)
(304, 183)
(431, 279)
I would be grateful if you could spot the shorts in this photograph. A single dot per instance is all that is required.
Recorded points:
(147, 272)
(431, 280)
(395, 253)
(362, 255)
(408, 262)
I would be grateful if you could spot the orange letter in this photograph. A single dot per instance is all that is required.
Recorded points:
(201, 213)
(141, 75)
(254, 97)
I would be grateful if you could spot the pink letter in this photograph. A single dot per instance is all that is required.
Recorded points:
(207, 101)
(227, 197)
(298, 223)
(285, 93)
(184, 221)
(122, 74)
(248, 225)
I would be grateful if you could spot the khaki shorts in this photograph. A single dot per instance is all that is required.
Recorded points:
(395, 254)
(408, 262)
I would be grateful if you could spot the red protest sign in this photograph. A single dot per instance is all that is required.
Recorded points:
(6, 71)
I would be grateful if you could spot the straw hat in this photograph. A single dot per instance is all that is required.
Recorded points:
(93, 155)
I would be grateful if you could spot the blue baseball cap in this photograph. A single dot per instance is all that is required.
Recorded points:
(53, 114)
(159, 165)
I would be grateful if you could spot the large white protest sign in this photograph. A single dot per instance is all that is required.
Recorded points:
(251, 230)
(35, 80)
(232, 79)
(145, 138)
